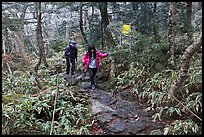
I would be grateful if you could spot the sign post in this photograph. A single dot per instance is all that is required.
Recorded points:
(125, 30)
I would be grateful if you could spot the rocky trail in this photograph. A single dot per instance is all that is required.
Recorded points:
(119, 114)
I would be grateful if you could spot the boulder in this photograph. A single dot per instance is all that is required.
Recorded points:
(118, 126)
(156, 132)
(98, 107)
(104, 118)
(134, 127)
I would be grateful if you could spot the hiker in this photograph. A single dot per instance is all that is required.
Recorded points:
(91, 62)
(71, 57)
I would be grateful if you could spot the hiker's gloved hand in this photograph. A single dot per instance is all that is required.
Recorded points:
(109, 53)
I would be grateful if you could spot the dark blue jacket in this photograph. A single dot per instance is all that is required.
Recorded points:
(71, 52)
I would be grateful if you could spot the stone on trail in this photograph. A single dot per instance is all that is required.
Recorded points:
(125, 95)
(121, 113)
(105, 99)
(135, 126)
(156, 132)
(104, 118)
(112, 101)
(84, 85)
(127, 106)
(118, 126)
(97, 107)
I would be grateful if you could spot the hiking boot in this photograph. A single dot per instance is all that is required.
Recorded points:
(72, 74)
(93, 87)
(66, 73)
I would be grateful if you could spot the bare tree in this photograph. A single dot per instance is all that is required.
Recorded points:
(154, 27)
(40, 38)
(189, 25)
(20, 45)
(185, 60)
(200, 5)
(105, 23)
(135, 6)
(81, 23)
(18, 34)
(171, 31)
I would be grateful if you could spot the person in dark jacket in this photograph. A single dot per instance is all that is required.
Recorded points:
(71, 57)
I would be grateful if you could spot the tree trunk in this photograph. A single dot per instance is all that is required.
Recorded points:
(20, 43)
(81, 23)
(20, 47)
(90, 22)
(40, 38)
(105, 22)
(154, 27)
(189, 25)
(115, 10)
(200, 5)
(134, 6)
(185, 60)
(102, 37)
(19, 36)
(171, 32)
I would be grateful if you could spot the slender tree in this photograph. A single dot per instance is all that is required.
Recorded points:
(200, 5)
(189, 25)
(185, 60)
(17, 33)
(171, 32)
(40, 38)
(134, 6)
(154, 27)
(105, 22)
(81, 23)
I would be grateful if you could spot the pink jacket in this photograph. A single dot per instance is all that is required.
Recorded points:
(86, 59)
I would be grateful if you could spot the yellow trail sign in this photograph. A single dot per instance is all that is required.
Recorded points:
(125, 29)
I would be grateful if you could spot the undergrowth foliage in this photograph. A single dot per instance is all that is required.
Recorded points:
(36, 112)
(25, 112)
(146, 69)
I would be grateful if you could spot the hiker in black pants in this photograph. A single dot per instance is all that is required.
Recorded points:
(91, 62)
(71, 57)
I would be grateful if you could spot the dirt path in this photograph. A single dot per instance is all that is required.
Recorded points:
(120, 114)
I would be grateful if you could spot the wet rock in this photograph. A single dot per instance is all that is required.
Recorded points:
(84, 85)
(121, 113)
(142, 113)
(121, 104)
(102, 96)
(95, 96)
(112, 101)
(105, 99)
(126, 96)
(127, 106)
(98, 95)
(97, 107)
(104, 117)
(102, 92)
(156, 132)
(135, 126)
(153, 125)
(85, 78)
(119, 126)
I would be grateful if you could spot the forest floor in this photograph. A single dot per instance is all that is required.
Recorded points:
(116, 114)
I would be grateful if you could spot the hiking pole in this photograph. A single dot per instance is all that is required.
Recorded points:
(53, 114)
(84, 77)
(71, 80)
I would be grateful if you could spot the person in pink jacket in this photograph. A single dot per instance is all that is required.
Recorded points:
(91, 61)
